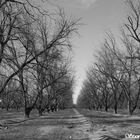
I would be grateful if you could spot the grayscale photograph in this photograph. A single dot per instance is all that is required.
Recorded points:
(69, 69)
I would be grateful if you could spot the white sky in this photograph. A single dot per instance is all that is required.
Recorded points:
(98, 17)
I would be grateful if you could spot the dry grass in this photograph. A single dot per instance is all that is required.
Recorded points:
(58, 134)
(21, 129)
(19, 133)
(62, 134)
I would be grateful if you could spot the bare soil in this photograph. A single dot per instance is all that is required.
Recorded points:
(69, 124)
(109, 126)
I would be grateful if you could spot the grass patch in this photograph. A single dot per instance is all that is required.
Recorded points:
(62, 134)
(20, 129)
(19, 133)
(58, 134)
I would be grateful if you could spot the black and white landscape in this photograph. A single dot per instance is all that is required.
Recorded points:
(70, 70)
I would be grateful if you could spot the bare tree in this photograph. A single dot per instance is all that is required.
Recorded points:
(31, 41)
(127, 71)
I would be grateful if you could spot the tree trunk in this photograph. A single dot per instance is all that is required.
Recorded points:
(130, 111)
(97, 107)
(17, 108)
(40, 112)
(130, 108)
(7, 108)
(28, 111)
(100, 107)
(106, 108)
(116, 108)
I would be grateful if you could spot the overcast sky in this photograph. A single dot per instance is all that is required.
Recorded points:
(98, 16)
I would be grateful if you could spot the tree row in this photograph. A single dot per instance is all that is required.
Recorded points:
(35, 59)
(113, 80)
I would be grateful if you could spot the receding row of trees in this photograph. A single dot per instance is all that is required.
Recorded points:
(35, 65)
(113, 81)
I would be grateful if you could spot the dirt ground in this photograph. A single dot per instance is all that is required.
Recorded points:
(70, 124)
(109, 126)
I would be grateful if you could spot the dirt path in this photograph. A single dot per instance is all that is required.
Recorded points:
(72, 126)
(88, 128)
(84, 126)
